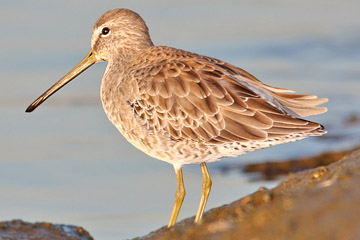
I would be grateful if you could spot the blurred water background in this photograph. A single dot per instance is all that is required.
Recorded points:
(66, 163)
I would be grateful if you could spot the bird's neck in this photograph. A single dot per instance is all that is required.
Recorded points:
(117, 90)
(128, 51)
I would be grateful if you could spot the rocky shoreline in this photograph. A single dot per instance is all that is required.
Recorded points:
(322, 203)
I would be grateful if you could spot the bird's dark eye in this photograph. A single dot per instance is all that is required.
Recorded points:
(105, 31)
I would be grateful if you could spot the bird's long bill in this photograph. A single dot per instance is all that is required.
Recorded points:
(89, 60)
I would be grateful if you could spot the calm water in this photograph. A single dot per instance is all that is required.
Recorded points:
(65, 163)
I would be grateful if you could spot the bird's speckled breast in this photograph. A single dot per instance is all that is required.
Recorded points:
(117, 93)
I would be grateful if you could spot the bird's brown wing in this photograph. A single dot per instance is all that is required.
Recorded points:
(205, 99)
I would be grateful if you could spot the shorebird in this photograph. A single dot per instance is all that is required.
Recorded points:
(181, 107)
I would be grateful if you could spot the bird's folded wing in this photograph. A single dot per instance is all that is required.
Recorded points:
(212, 101)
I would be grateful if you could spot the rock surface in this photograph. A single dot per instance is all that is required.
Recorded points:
(19, 230)
(273, 169)
(323, 203)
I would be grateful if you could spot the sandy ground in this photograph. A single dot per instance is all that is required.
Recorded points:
(322, 203)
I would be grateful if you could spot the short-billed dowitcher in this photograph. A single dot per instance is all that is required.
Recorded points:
(184, 108)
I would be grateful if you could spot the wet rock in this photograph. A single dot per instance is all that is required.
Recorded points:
(321, 204)
(351, 120)
(20, 230)
(272, 170)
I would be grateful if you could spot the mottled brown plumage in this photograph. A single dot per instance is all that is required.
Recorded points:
(184, 108)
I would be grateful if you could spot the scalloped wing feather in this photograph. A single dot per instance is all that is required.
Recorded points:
(204, 99)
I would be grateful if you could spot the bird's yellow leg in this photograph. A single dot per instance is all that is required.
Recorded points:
(179, 198)
(206, 187)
